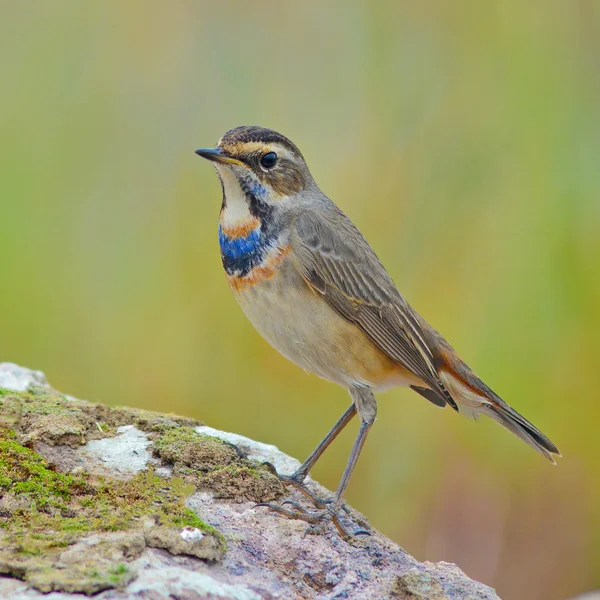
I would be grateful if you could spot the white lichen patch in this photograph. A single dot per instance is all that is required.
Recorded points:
(195, 543)
(192, 534)
(19, 379)
(125, 454)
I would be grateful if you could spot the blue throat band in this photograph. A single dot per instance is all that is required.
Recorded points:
(241, 255)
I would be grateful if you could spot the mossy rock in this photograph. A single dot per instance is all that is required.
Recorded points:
(78, 532)
(214, 465)
(44, 415)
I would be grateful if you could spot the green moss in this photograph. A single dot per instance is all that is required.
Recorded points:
(25, 474)
(43, 511)
(6, 392)
(212, 464)
(118, 573)
(243, 483)
(45, 415)
(37, 499)
(185, 447)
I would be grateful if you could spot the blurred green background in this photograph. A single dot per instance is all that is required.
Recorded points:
(464, 140)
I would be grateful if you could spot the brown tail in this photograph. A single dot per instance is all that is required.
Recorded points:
(522, 428)
(474, 397)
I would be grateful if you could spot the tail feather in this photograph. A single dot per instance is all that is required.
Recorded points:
(522, 428)
(474, 397)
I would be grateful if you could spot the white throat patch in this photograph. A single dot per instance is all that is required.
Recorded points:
(236, 213)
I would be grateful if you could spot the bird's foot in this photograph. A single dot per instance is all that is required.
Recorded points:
(316, 519)
(329, 510)
(296, 480)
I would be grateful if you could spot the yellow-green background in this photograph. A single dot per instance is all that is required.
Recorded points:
(464, 140)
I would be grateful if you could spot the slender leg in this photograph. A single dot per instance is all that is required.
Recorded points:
(297, 478)
(358, 445)
(314, 456)
(365, 404)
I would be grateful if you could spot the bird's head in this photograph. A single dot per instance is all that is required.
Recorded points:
(258, 165)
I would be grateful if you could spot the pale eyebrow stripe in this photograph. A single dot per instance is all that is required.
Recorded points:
(279, 149)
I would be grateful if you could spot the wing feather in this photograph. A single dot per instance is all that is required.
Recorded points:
(336, 260)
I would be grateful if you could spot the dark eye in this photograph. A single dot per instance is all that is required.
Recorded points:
(269, 160)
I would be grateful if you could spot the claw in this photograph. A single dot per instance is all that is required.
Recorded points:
(341, 529)
(301, 514)
(347, 534)
(293, 479)
(297, 480)
(296, 505)
(316, 500)
(271, 468)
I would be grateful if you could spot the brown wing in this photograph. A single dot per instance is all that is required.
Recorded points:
(336, 260)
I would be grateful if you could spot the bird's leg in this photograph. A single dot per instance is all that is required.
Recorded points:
(365, 404)
(314, 456)
(297, 478)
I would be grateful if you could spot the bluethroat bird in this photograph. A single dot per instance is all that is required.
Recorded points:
(313, 287)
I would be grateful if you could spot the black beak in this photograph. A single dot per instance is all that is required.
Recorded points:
(217, 155)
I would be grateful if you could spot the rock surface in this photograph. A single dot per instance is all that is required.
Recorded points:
(152, 506)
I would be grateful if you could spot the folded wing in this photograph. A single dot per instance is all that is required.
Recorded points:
(335, 260)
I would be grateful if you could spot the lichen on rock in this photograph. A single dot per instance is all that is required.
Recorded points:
(417, 586)
(45, 514)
